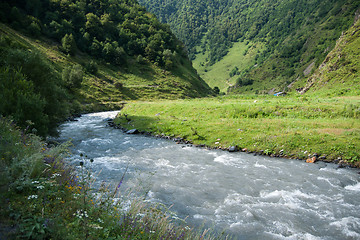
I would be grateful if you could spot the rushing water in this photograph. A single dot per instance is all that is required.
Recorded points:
(250, 197)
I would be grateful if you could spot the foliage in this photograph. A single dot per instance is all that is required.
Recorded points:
(72, 76)
(110, 30)
(292, 34)
(30, 88)
(68, 44)
(91, 67)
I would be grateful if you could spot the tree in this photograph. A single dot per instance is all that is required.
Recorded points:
(68, 44)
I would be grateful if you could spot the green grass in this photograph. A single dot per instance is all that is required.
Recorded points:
(294, 127)
(241, 55)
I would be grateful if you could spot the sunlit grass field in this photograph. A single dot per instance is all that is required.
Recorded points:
(291, 126)
(241, 55)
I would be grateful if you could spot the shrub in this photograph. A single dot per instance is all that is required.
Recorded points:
(91, 67)
(68, 44)
(72, 76)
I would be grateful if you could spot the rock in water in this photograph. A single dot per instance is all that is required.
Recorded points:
(233, 149)
(132, 131)
(311, 160)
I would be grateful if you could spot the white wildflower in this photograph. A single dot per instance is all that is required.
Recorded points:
(35, 182)
(80, 214)
(40, 187)
(56, 175)
(32, 197)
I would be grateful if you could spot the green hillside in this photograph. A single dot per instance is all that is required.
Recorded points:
(276, 43)
(60, 58)
(339, 73)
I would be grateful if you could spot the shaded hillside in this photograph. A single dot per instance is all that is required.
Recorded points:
(49, 72)
(339, 74)
(275, 42)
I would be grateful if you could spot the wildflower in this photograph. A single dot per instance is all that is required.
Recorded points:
(56, 175)
(40, 187)
(35, 182)
(32, 197)
(80, 214)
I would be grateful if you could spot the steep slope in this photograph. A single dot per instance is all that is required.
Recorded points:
(275, 43)
(118, 33)
(56, 59)
(339, 73)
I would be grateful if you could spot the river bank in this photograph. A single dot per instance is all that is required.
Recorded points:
(249, 197)
(310, 129)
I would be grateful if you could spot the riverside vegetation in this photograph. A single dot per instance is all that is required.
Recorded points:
(43, 197)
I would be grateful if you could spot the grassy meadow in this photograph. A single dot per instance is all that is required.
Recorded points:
(291, 126)
(241, 55)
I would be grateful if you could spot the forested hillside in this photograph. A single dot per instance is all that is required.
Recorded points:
(277, 42)
(62, 57)
(106, 29)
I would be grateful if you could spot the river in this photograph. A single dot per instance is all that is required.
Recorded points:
(251, 197)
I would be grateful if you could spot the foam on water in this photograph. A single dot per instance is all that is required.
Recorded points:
(355, 187)
(249, 196)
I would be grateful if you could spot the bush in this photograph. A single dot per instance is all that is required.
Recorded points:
(91, 67)
(72, 76)
(19, 99)
(68, 44)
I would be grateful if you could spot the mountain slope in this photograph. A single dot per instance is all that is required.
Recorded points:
(49, 71)
(279, 40)
(339, 73)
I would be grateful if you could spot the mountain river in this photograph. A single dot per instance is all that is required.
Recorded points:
(250, 197)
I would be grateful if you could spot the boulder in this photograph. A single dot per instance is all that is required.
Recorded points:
(311, 160)
(233, 149)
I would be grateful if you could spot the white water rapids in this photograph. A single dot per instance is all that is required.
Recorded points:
(251, 197)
